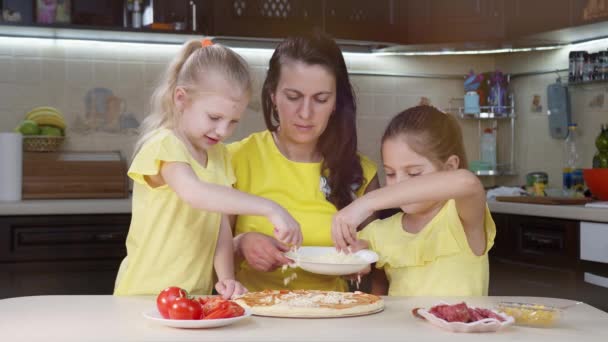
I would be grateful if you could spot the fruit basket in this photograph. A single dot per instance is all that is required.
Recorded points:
(42, 143)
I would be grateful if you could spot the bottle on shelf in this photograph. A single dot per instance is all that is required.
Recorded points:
(573, 183)
(600, 159)
(488, 147)
(136, 14)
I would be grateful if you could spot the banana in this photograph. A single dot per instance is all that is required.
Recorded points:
(47, 118)
(46, 109)
(45, 115)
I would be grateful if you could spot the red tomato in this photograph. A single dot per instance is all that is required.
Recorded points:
(214, 303)
(185, 308)
(166, 297)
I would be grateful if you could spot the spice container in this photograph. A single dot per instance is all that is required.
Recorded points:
(534, 315)
(536, 183)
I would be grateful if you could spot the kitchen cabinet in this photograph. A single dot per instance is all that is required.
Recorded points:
(539, 256)
(265, 18)
(588, 11)
(61, 254)
(534, 256)
(362, 20)
(525, 17)
(447, 21)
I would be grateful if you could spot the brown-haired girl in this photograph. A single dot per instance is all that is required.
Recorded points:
(307, 160)
(438, 244)
(182, 190)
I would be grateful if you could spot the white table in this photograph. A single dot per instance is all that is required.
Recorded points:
(107, 318)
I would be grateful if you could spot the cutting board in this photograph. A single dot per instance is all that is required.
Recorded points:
(544, 200)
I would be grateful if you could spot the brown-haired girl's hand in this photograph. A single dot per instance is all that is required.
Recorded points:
(345, 223)
(286, 228)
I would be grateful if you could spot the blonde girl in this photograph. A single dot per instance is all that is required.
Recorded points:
(437, 244)
(183, 180)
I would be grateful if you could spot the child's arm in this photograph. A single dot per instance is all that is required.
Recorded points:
(460, 185)
(223, 263)
(226, 200)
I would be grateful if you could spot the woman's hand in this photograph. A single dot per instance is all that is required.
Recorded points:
(345, 223)
(264, 253)
(286, 228)
(229, 288)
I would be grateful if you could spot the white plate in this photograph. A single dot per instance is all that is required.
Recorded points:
(303, 253)
(155, 316)
(483, 325)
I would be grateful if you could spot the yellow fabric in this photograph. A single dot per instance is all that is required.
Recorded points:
(169, 242)
(437, 261)
(262, 170)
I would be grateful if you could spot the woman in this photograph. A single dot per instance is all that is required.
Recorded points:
(307, 160)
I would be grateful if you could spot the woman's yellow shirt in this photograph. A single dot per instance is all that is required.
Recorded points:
(261, 169)
(437, 261)
(170, 243)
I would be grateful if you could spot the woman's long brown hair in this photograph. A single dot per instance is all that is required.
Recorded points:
(338, 143)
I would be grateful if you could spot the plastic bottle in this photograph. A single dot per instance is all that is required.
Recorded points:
(136, 14)
(488, 147)
(600, 159)
(573, 183)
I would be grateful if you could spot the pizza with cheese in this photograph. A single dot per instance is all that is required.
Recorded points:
(310, 303)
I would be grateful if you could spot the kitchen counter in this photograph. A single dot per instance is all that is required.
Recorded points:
(66, 207)
(108, 318)
(572, 212)
(123, 206)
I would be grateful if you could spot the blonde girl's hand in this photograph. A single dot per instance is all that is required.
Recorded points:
(345, 223)
(229, 288)
(286, 228)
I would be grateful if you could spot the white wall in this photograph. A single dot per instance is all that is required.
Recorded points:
(36, 72)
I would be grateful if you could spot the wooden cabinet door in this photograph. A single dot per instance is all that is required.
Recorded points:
(265, 18)
(449, 21)
(361, 20)
(589, 11)
(61, 254)
(524, 17)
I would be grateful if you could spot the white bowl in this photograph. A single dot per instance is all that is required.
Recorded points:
(483, 325)
(304, 258)
(155, 316)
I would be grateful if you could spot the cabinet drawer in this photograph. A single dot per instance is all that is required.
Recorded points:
(594, 241)
(63, 237)
(543, 241)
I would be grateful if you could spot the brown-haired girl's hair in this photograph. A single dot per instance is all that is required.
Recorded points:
(430, 133)
(188, 70)
(338, 143)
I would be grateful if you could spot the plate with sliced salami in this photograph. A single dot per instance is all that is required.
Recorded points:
(463, 318)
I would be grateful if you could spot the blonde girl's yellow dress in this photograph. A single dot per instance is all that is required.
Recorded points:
(261, 169)
(437, 261)
(170, 243)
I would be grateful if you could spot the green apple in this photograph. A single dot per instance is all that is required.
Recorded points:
(28, 127)
(50, 131)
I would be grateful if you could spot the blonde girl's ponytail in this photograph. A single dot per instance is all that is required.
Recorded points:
(163, 110)
(187, 69)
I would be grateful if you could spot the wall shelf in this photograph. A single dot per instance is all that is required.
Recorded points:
(490, 116)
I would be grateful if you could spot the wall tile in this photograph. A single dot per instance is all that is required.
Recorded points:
(7, 70)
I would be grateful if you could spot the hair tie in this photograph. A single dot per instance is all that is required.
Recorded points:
(206, 42)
